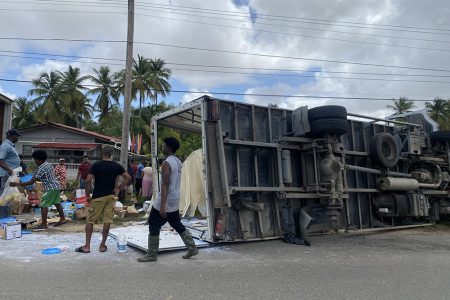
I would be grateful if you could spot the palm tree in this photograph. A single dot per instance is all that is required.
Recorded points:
(439, 110)
(51, 105)
(106, 90)
(401, 105)
(159, 79)
(23, 113)
(142, 79)
(72, 89)
(143, 123)
(150, 79)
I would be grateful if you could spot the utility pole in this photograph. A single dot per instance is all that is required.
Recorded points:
(128, 75)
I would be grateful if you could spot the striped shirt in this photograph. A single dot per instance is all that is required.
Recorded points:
(46, 175)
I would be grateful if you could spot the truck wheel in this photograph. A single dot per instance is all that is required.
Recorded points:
(384, 149)
(440, 136)
(327, 112)
(328, 126)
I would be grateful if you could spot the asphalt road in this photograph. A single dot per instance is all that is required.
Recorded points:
(413, 264)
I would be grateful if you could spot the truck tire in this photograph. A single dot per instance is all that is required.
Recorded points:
(384, 149)
(327, 112)
(328, 126)
(440, 136)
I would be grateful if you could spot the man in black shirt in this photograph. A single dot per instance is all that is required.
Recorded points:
(104, 173)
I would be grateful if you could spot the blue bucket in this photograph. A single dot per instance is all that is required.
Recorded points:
(26, 178)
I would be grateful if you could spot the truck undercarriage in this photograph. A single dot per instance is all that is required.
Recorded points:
(277, 173)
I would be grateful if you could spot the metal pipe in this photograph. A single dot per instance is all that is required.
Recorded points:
(378, 172)
(383, 120)
(398, 184)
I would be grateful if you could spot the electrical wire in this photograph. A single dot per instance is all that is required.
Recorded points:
(224, 67)
(173, 9)
(315, 76)
(229, 52)
(256, 94)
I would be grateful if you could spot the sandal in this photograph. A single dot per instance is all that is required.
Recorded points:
(59, 223)
(103, 249)
(39, 228)
(80, 250)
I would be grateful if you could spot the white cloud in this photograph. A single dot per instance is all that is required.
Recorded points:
(158, 29)
(194, 94)
(9, 95)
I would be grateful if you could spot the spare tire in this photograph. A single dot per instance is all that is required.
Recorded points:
(328, 126)
(440, 136)
(384, 149)
(327, 112)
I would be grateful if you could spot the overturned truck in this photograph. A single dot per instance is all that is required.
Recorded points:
(277, 173)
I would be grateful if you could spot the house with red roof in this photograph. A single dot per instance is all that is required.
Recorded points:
(62, 141)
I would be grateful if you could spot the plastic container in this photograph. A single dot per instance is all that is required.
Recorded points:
(26, 178)
(78, 206)
(67, 205)
(7, 219)
(122, 243)
(50, 251)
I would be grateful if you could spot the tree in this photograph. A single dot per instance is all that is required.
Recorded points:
(110, 124)
(52, 107)
(141, 124)
(106, 90)
(142, 79)
(439, 110)
(150, 79)
(23, 113)
(159, 78)
(72, 89)
(401, 105)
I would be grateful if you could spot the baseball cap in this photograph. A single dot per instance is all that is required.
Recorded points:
(62, 159)
(13, 131)
(108, 149)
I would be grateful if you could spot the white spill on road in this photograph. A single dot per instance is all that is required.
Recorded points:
(137, 237)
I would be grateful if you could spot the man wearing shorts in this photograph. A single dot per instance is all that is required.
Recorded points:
(52, 192)
(104, 174)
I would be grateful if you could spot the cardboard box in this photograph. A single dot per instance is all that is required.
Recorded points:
(132, 212)
(11, 230)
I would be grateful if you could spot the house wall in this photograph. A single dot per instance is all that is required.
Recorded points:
(36, 136)
(5, 115)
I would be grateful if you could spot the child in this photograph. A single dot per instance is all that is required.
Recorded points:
(51, 186)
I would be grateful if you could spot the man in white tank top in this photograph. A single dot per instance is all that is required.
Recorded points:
(166, 206)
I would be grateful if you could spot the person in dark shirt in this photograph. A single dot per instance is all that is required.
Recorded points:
(104, 173)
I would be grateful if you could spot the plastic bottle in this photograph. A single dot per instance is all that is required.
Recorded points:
(122, 242)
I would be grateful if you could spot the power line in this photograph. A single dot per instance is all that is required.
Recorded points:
(229, 52)
(172, 8)
(302, 35)
(300, 27)
(238, 13)
(287, 33)
(253, 29)
(296, 18)
(225, 72)
(257, 94)
(293, 57)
